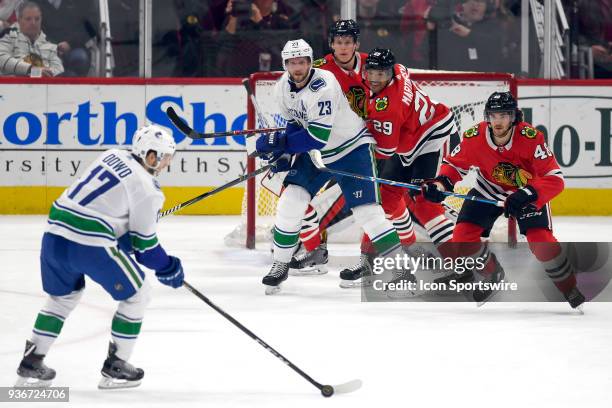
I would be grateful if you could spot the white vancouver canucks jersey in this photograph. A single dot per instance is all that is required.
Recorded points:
(322, 109)
(113, 196)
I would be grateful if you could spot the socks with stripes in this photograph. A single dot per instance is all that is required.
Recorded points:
(127, 321)
(554, 258)
(50, 320)
(289, 213)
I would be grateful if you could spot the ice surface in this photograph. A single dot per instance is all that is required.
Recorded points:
(413, 354)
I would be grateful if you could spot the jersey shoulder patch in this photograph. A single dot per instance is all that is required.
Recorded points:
(529, 132)
(319, 62)
(471, 132)
(317, 84)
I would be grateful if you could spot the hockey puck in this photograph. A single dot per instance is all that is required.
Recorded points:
(327, 391)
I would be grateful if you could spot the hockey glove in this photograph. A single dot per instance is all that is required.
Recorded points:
(173, 274)
(271, 143)
(431, 190)
(280, 162)
(520, 201)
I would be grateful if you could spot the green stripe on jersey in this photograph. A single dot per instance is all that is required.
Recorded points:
(50, 324)
(319, 133)
(142, 244)
(78, 222)
(346, 145)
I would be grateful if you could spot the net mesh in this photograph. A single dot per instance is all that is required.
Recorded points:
(465, 94)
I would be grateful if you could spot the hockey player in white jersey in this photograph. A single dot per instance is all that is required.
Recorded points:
(108, 212)
(320, 118)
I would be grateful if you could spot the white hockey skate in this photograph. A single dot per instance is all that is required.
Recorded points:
(311, 263)
(117, 373)
(277, 275)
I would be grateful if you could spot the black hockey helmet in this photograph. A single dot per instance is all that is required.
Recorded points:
(380, 58)
(503, 102)
(343, 27)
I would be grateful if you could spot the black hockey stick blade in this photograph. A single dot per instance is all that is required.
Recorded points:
(192, 134)
(182, 126)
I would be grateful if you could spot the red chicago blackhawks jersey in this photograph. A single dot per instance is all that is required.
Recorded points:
(404, 120)
(351, 82)
(501, 170)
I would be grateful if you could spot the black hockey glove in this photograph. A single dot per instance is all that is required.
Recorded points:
(520, 201)
(432, 193)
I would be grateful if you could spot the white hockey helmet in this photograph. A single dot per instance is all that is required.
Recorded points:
(152, 137)
(295, 49)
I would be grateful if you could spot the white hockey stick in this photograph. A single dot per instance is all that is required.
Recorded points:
(315, 155)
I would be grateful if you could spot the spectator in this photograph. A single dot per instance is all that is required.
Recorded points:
(8, 14)
(311, 18)
(414, 31)
(380, 29)
(250, 41)
(26, 46)
(73, 26)
(595, 28)
(471, 40)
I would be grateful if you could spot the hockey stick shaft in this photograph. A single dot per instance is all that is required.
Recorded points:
(252, 335)
(251, 96)
(316, 159)
(194, 200)
(192, 134)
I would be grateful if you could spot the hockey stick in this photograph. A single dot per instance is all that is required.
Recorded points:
(192, 134)
(315, 155)
(326, 390)
(251, 96)
(215, 191)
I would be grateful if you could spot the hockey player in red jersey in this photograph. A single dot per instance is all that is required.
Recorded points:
(411, 133)
(515, 165)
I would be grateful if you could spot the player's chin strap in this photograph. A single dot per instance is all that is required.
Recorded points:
(315, 155)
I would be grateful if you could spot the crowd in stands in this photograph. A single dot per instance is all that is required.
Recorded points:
(232, 38)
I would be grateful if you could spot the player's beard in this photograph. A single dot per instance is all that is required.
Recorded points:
(299, 80)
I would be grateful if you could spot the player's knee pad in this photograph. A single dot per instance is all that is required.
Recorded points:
(63, 305)
(543, 244)
(134, 306)
(467, 232)
(369, 214)
(392, 199)
(293, 202)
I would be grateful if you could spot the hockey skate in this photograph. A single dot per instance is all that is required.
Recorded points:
(311, 263)
(357, 275)
(277, 275)
(32, 371)
(575, 298)
(117, 373)
(403, 285)
(482, 296)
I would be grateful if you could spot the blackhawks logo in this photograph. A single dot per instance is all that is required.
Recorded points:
(529, 132)
(510, 175)
(471, 132)
(319, 62)
(380, 104)
(357, 100)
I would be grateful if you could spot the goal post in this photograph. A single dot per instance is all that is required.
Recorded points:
(464, 92)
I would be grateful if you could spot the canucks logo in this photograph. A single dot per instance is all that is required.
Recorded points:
(529, 132)
(510, 175)
(319, 62)
(317, 84)
(357, 100)
(380, 104)
(471, 132)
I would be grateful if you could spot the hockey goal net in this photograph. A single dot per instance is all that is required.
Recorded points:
(466, 95)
